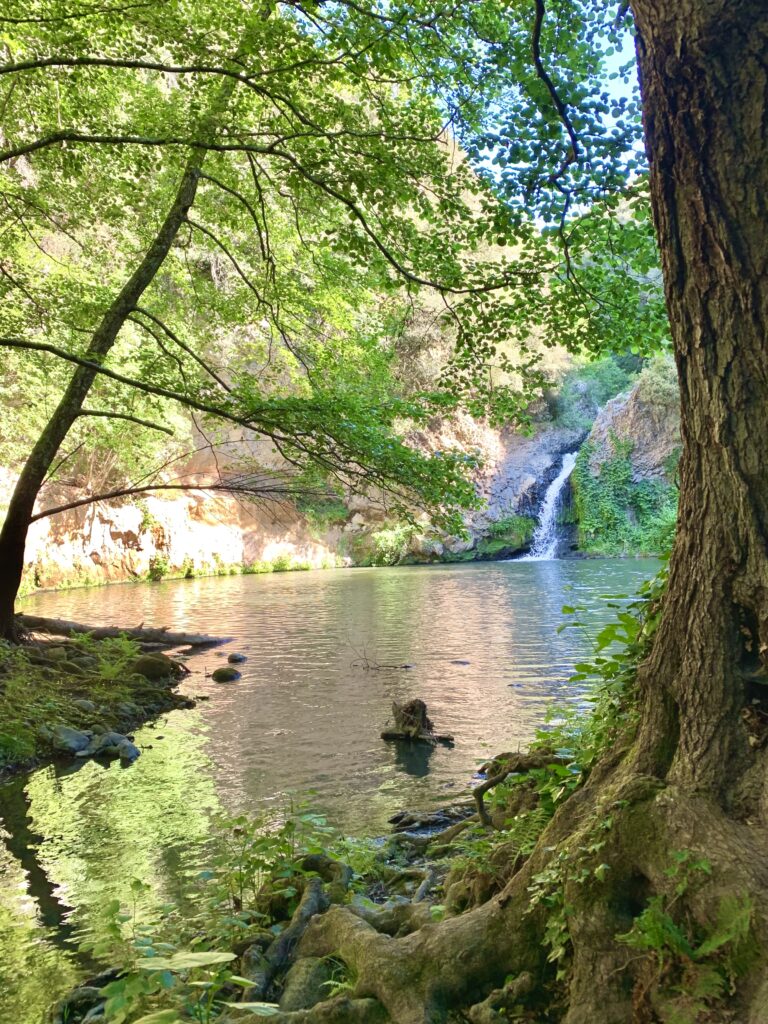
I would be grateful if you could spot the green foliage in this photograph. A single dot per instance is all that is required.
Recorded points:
(617, 515)
(585, 389)
(388, 546)
(695, 967)
(159, 567)
(583, 735)
(343, 978)
(587, 732)
(183, 965)
(509, 534)
(657, 383)
(38, 694)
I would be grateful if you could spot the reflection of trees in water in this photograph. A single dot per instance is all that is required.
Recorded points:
(22, 843)
(37, 954)
(79, 838)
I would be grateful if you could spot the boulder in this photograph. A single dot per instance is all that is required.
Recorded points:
(69, 740)
(225, 674)
(236, 659)
(110, 744)
(85, 705)
(127, 751)
(127, 709)
(155, 666)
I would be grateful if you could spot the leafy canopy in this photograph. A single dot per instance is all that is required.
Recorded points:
(355, 163)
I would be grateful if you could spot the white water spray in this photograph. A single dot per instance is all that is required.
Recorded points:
(545, 539)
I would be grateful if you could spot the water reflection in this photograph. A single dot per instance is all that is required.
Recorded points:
(325, 652)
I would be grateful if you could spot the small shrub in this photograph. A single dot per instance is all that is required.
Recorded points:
(159, 567)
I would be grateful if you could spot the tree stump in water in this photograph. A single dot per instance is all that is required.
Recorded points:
(412, 723)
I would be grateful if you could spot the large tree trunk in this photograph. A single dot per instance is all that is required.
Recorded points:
(690, 780)
(705, 95)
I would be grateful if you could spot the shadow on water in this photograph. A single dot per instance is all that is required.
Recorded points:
(414, 758)
(22, 843)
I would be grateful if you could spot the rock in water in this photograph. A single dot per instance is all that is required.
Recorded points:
(127, 751)
(226, 674)
(70, 741)
(110, 744)
(236, 659)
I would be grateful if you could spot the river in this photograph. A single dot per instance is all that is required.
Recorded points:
(327, 654)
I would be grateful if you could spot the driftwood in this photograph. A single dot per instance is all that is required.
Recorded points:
(411, 723)
(162, 635)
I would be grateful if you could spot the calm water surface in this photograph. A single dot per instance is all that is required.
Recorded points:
(325, 651)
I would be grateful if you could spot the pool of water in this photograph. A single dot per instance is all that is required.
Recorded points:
(326, 654)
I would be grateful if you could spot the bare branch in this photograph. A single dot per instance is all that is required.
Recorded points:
(261, 488)
(126, 416)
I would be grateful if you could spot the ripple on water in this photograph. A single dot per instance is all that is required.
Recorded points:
(315, 692)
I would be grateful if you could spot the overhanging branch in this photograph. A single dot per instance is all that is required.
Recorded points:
(126, 416)
(255, 487)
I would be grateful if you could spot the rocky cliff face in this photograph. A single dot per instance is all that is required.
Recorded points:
(648, 419)
(195, 533)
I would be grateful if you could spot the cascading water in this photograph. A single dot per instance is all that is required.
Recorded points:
(545, 538)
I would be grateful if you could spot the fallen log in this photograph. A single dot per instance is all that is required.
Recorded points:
(158, 635)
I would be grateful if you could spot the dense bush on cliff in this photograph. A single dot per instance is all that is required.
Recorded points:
(625, 480)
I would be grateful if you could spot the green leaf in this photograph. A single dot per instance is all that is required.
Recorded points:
(259, 1009)
(184, 961)
(160, 1017)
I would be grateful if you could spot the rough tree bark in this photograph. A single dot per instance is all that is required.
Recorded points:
(690, 780)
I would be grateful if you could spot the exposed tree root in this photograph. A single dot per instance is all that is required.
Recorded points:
(601, 859)
(504, 766)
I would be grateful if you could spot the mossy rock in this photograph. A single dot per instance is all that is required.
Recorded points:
(154, 666)
(225, 674)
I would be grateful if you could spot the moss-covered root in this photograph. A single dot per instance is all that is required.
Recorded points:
(667, 861)
(341, 1010)
(447, 965)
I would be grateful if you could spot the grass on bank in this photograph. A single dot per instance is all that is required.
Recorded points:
(79, 683)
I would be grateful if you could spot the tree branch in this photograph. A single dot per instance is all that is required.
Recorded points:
(125, 416)
(272, 491)
(542, 73)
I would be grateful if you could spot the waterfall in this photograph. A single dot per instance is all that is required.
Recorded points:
(545, 539)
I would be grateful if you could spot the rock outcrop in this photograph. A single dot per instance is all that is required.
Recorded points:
(647, 420)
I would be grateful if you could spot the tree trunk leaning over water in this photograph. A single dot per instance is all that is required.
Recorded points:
(13, 535)
(691, 780)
